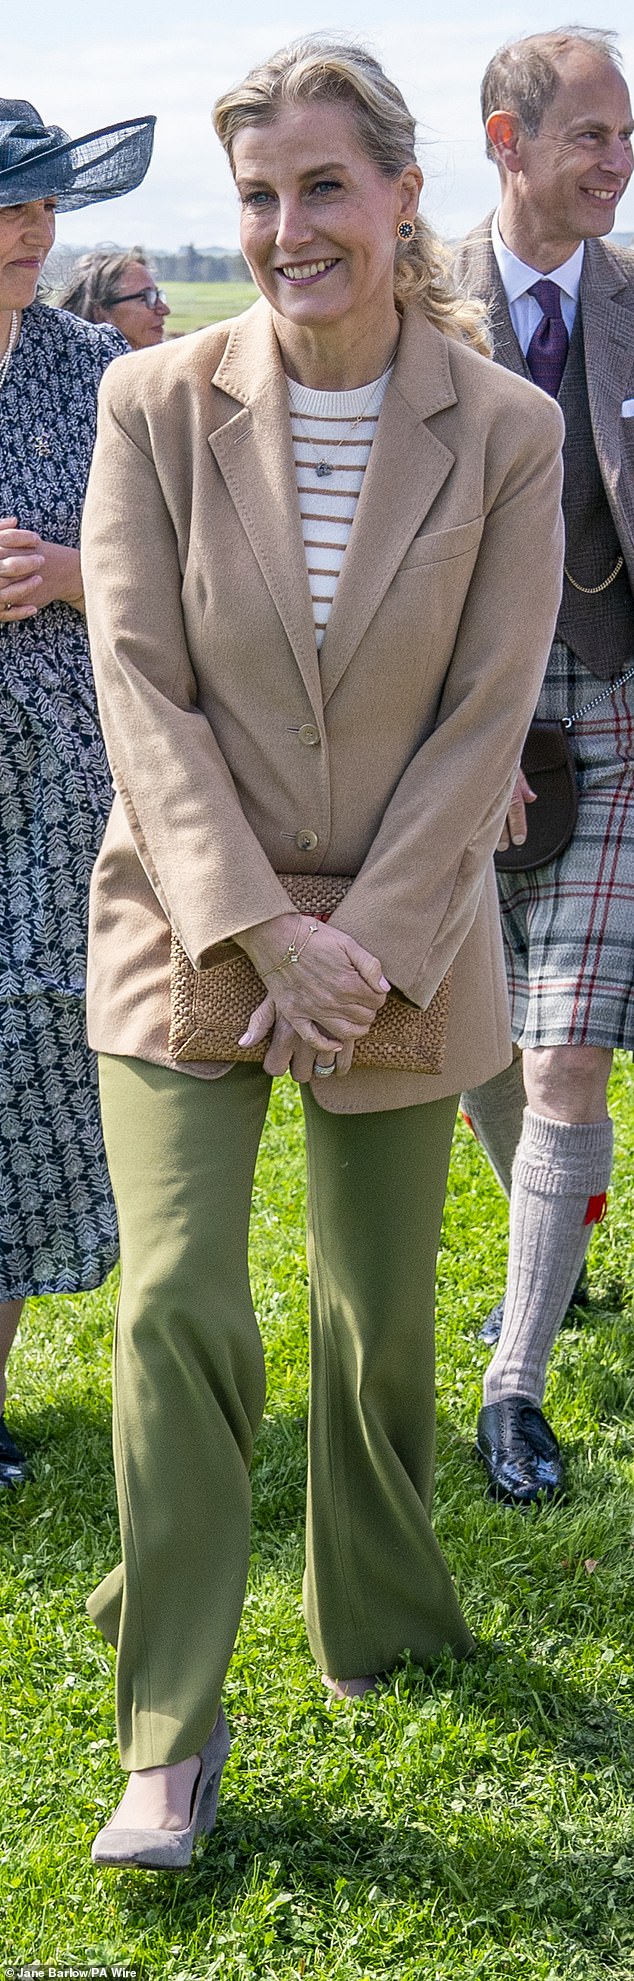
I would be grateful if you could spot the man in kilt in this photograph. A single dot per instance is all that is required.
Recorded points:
(559, 126)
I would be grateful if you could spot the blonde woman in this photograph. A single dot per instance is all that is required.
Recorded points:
(118, 288)
(318, 635)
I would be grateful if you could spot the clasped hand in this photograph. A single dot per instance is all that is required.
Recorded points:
(33, 572)
(318, 1006)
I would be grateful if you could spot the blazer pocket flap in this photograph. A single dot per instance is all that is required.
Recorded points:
(437, 546)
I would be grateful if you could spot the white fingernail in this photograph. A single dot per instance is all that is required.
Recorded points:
(246, 1039)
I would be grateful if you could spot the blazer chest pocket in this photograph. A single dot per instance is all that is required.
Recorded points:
(439, 546)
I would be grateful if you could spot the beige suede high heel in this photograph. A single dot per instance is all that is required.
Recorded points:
(349, 1688)
(170, 1850)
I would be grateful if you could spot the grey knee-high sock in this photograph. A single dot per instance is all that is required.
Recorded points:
(560, 1176)
(495, 1113)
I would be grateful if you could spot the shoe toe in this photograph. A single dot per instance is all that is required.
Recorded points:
(12, 1470)
(143, 1850)
(519, 1451)
(14, 1464)
(12, 1475)
(492, 1327)
(522, 1478)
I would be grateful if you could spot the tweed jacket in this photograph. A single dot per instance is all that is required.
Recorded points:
(607, 304)
(238, 752)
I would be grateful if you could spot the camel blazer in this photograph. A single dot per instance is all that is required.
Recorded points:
(237, 752)
(606, 296)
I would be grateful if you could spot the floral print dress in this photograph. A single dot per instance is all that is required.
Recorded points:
(58, 1228)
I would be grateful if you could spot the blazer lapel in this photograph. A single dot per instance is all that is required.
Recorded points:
(608, 330)
(254, 452)
(408, 465)
(481, 277)
(506, 349)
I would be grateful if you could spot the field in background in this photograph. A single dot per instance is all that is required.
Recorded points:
(195, 303)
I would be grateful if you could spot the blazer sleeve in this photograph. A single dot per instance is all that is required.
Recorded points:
(416, 895)
(160, 745)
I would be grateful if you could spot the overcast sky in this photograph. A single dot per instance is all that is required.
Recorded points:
(174, 57)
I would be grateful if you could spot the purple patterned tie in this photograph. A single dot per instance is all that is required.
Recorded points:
(548, 348)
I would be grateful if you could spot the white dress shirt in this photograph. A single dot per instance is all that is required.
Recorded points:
(518, 278)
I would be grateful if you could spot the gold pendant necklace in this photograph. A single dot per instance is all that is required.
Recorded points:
(323, 467)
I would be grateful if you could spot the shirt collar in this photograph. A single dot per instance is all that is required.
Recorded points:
(518, 278)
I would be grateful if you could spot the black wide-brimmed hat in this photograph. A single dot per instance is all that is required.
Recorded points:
(40, 161)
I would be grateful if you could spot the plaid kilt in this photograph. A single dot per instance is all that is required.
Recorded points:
(569, 927)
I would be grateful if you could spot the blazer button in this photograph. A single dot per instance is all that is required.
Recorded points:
(309, 735)
(306, 840)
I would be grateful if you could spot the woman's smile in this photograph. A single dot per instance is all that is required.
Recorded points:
(307, 271)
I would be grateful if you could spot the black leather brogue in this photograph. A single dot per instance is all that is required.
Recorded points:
(519, 1451)
(14, 1465)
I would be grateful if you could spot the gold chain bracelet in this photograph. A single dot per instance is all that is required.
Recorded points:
(292, 953)
(591, 591)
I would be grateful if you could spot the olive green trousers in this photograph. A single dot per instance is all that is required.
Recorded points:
(189, 1392)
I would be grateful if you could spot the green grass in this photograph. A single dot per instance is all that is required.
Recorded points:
(195, 303)
(471, 1821)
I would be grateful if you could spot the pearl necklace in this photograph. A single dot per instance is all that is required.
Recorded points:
(13, 338)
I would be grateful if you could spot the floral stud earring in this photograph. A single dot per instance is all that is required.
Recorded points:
(404, 230)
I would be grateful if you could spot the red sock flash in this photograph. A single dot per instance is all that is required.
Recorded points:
(596, 1208)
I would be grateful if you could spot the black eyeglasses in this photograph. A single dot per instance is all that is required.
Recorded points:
(149, 296)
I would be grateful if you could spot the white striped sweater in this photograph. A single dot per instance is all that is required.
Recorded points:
(321, 425)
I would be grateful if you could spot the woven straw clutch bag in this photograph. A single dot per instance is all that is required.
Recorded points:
(210, 1008)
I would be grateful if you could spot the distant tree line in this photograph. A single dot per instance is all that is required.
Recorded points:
(199, 265)
(188, 264)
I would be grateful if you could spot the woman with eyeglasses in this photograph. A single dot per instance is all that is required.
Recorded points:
(58, 1227)
(118, 289)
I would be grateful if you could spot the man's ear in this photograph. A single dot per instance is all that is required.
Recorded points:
(503, 132)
